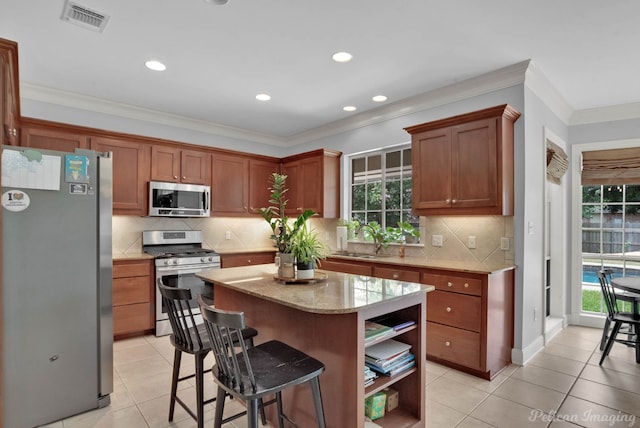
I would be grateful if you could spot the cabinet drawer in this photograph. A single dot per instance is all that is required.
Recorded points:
(131, 269)
(233, 260)
(454, 345)
(132, 318)
(130, 290)
(457, 284)
(454, 309)
(346, 267)
(397, 274)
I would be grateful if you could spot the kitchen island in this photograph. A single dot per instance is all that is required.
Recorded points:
(326, 319)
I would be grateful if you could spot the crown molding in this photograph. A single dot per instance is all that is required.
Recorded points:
(502, 78)
(606, 114)
(538, 83)
(99, 105)
(489, 82)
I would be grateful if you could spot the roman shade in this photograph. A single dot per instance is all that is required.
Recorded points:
(617, 166)
(557, 162)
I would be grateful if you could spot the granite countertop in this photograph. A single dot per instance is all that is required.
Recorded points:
(422, 262)
(339, 293)
(132, 256)
(245, 250)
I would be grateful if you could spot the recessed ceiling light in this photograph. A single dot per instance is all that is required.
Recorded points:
(379, 98)
(263, 97)
(342, 57)
(155, 65)
(349, 108)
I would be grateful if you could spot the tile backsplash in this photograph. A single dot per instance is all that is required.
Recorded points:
(253, 233)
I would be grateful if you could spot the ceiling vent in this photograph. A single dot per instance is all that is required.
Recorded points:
(84, 17)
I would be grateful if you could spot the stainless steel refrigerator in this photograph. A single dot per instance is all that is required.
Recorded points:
(57, 268)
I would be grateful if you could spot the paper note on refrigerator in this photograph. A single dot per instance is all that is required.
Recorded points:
(30, 169)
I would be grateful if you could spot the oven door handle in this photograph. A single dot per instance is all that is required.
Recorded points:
(182, 270)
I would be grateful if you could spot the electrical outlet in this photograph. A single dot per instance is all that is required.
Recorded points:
(436, 240)
(535, 314)
(505, 244)
(227, 235)
(471, 242)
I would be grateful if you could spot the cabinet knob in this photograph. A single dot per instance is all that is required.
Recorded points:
(13, 132)
(447, 343)
(175, 177)
(184, 178)
(396, 276)
(249, 261)
(448, 309)
(448, 201)
(449, 284)
(466, 285)
(453, 201)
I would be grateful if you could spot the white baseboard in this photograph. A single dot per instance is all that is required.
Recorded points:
(522, 356)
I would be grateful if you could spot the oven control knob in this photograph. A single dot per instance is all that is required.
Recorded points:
(175, 262)
(203, 259)
(210, 259)
(166, 262)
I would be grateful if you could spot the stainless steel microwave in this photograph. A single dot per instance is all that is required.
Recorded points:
(178, 200)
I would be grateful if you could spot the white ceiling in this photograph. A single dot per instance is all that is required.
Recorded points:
(220, 57)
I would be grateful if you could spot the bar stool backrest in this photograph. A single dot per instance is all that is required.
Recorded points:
(181, 317)
(608, 292)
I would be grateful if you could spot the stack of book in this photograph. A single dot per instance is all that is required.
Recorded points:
(393, 322)
(389, 357)
(374, 330)
(369, 376)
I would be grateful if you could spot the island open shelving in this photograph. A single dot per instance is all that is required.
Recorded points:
(327, 320)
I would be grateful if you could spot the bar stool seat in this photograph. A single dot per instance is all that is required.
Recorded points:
(249, 374)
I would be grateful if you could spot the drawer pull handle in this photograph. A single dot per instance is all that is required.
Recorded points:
(449, 284)
(466, 285)
(448, 309)
(447, 343)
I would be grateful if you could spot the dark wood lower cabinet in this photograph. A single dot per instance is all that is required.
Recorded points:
(133, 297)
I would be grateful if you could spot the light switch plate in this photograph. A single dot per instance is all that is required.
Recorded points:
(504, 244)
(227, 235)
(436, 240)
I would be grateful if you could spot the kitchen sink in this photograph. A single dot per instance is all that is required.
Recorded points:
(358, 255)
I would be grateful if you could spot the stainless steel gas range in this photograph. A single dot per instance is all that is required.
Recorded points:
(179, 256)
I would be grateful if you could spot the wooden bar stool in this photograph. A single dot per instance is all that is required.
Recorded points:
(249, 374)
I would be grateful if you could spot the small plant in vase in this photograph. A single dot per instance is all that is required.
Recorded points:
(283, 229)
(307, 249)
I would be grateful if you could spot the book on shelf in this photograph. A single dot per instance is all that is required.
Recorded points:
(406, 361)
(401, 368)
(386, 350)
(394, 322)
(374, 331)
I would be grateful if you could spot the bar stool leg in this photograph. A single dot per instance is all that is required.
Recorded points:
(252, 413)
(280, 412)
(200, 388)
(177, 357)
(317, 401)
(220, 397)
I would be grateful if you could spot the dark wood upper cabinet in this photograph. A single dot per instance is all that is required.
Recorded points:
(313, 180)
(9, 93)
(240, 184)
(49, 137)
(464, 164)
(130, 173)
(177, 165)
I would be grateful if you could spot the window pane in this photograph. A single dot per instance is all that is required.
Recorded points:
(393, 160)
(392, 218)
(392, 196)
(358, 170)
(358, 194)
(374, 216)
(374, 196)
(611, 242)
(406, 157)
(633, 193)
(632, 241)
(591, 241)
(612, 218)
(406, 193)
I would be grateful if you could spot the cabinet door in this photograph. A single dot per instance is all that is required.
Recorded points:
(195, 167)
(130, 173)
(9, 98)
(293, 172)
(259, 183)
(475, 163)
(230, 184)
(49, 139)
(431, 161)
(165, 164)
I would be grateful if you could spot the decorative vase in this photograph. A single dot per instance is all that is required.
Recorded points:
(305, 270)
(285, 264)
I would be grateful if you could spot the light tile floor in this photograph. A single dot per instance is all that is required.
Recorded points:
(561, 387)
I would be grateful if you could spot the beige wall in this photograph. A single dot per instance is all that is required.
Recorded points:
(253, 233)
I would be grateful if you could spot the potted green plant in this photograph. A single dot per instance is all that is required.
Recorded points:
(283, 229)
(307, 249)
(382, 237)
